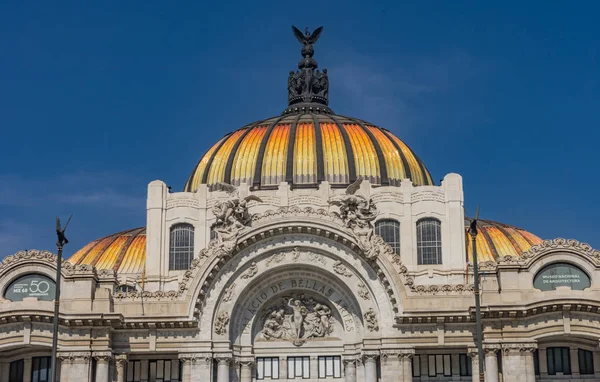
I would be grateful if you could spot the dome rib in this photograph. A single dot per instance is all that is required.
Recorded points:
(349, 150)
(234, 150)
(291, 151)
(256, 181)
(319, 144)
(385, 181)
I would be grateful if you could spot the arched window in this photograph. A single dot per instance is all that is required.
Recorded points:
(125, 288)
(181, 247)
(389, 230)
(429, 241)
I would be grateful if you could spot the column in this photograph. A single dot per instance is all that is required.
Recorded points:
(391, 367)
(574, 362)
(27, 369)
(246, 370)
(120, 361)
(196, 367)
(223, 367)
(102, 366)
(472, 352)
(360, 370)
(530, 365)
(542, 356)
(491, 364)
(406, 358)
(350, 369)
(370, 361)
(517, 361)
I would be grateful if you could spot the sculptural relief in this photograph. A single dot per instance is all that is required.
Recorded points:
(297, 319)
(358, 213)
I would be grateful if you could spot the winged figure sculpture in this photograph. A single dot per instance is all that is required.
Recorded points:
(307, 38)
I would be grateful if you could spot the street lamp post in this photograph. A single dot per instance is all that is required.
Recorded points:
(479, 332)
(60, 243)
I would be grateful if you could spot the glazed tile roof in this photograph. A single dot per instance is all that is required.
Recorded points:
(496, 240)
(290, 149)
(124, 252)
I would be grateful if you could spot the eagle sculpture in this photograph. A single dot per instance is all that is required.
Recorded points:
(307, 38)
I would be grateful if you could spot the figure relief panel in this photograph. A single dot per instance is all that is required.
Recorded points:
(297, 318)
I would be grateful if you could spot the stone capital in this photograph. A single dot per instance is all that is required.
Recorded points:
(350, 359)
(519, 347)
(491, 349)
(103, 357)
(195, 357)
(223, 358)
(244, 362)
(370, 355)
(70, 357)
(121, 359)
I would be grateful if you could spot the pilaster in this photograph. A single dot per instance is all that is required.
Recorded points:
(517, 361)
(196, 367)
(120, 363)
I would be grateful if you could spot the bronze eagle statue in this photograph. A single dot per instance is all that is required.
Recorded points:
(307, 38)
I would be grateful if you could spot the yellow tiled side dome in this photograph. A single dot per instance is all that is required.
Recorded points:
(306, 149)
(124, 252)
(496, 240)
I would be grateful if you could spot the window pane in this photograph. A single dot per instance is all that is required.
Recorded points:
(260, 367)
(152, 373)
(175, 370)
(447, 365)
(389, 230)
(566, 361)
(181, 246)
(416, 366)
(268, 368)
(337, 367)
(291, 368)
(298, 366)
(306, 368)
(275, 368)
(550, 360)
(322, 372)
(167, 374)
(328, 366)
(431, 365)
(429, 241)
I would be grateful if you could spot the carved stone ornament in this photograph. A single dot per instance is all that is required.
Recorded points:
(250, 272)
(340, 269)
(297, 319)
(548, 246)
(358, 213)
(231, 218)
(228, 293)
(363, 292)
(371, 320)
(317, 257)
(221, 323)
(32, 254)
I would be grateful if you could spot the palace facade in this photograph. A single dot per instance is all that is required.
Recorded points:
(307, 246)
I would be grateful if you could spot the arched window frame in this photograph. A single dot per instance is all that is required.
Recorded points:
(389, 230)
(181, 246)
(429, 243)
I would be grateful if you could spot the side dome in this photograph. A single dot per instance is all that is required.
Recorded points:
(306, 149)
(496, 240)
(124, 252)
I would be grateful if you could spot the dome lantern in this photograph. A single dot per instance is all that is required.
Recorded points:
(308, 88)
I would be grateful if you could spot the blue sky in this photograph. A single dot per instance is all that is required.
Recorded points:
(100, 99)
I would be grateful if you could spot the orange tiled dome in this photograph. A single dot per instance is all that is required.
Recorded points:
(496, 240)
(305, 149)
(125, 252)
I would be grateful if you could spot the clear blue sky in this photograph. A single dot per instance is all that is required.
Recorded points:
(99, 99)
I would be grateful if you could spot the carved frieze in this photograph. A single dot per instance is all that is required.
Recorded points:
(297, 319)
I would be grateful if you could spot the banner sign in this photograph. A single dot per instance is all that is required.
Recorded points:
(561, 274)
(32, 285)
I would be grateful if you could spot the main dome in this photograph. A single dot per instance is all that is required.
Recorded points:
(308, 144)
(305, 149)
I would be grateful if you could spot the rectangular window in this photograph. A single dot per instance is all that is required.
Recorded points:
(416, 365)
(267, 368)
(559, 360)
(439, 365)
(536, 363)
(40, 369)
(16, 371)
(586, 362)
(465, 365)
(330, 366)
(167, 370)
(298, 367)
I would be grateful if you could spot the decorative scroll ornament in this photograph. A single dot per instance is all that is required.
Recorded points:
(358, 213)
(371, 320)
(297, 319)
(231, 218)
(308, 87)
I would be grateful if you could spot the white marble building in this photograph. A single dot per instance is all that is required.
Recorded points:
(309, 246)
